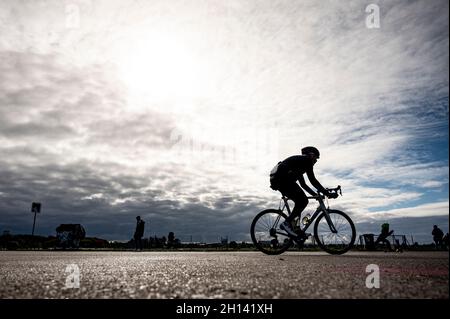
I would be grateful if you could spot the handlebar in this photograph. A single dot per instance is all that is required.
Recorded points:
(337, 190)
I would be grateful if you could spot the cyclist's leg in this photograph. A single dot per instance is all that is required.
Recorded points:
(294, 192)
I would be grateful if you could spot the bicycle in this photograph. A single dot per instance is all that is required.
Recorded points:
(334, 231)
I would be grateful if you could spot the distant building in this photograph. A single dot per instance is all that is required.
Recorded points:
(70, 235)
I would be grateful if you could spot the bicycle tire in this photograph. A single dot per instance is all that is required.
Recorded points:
(261, 235)
(335, 244)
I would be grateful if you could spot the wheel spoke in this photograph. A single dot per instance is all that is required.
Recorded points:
(264, 220)
(266, 234)
(335, 242)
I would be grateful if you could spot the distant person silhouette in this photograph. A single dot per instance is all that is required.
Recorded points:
(139, 233)
(284, 177)
(382, 238)
(438, 235)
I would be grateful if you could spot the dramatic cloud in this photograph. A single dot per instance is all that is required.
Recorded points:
(177, 111)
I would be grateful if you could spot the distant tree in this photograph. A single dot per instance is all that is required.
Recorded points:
(94, 242)
(145, 243)
(151, 242)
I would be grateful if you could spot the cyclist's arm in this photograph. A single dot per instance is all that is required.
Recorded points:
(315, 182)
(303, 184)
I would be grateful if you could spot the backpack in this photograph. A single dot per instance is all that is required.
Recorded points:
(274, 183)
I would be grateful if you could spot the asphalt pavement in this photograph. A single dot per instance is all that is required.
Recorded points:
(180, 274)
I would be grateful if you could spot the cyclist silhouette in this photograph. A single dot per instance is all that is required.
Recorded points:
(284, 177)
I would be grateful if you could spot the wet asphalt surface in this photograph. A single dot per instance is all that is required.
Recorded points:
(44, 274)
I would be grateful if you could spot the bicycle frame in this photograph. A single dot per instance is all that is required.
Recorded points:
(319, 209)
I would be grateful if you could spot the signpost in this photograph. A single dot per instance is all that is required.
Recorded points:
(35, 208)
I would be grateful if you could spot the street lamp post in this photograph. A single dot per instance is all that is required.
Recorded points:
(35, 208)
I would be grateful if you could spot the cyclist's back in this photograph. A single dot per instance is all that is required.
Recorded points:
(293, 167)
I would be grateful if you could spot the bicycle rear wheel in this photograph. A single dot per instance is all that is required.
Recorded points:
(266, 233)
(335, 243)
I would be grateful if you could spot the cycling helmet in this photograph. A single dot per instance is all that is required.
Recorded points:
(311, 149)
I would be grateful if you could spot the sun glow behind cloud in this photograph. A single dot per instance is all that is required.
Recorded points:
(158, 66)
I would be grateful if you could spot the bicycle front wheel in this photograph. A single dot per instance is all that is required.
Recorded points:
(338, 242)
(266, 233)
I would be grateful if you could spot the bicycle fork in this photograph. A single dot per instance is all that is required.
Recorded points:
(324, 210)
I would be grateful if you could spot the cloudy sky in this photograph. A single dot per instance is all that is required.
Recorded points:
(177, 110)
